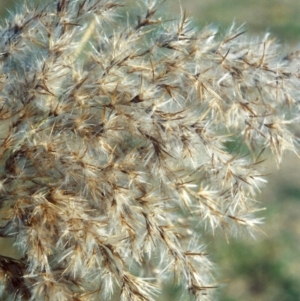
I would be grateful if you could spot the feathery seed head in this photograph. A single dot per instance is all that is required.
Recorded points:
(114, 146)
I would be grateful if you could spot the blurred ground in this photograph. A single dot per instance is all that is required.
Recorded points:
(280, 17)
(266, 269)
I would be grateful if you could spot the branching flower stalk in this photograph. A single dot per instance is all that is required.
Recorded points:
(114, 151)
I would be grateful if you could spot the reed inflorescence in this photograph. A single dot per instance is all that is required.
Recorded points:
(115, 135)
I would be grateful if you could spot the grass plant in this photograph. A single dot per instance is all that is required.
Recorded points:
(114, 151)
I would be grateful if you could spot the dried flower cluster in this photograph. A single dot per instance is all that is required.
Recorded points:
(114, 154)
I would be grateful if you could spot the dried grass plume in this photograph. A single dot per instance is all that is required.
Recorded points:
(114, 146)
